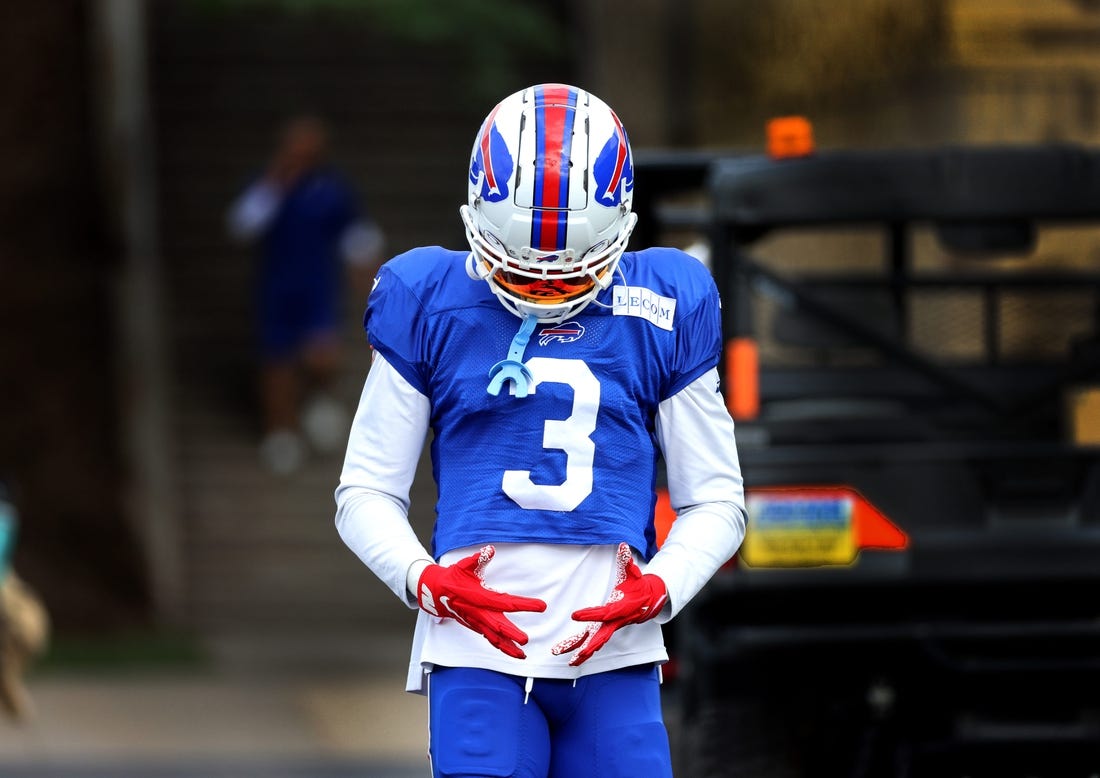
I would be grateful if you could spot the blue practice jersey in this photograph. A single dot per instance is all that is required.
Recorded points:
(301, 246)
(575, 461)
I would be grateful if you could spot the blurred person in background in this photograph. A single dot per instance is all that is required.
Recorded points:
(538, 640)
(309, 230)
(24, 624)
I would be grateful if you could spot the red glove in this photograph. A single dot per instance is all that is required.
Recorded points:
(458, 592)
(635, 598)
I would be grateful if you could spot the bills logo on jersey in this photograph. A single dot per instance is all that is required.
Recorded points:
(491, 163)
(566, 332)
(614, 169)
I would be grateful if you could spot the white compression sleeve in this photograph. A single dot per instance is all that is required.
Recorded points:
(696, 434)
(373, 497)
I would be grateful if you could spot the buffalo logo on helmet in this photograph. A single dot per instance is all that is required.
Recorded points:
(491, 163)
(566, 332)
(614, 168)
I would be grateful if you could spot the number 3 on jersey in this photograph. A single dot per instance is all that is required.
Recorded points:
(571, 435)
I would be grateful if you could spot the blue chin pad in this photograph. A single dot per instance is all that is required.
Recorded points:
(512, 369)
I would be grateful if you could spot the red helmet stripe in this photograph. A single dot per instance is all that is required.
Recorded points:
(555, 111)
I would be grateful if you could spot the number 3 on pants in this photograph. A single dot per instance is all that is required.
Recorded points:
(571, 435)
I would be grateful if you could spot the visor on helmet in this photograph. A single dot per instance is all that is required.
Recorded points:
(546, 289)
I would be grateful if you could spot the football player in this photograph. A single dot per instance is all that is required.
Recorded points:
(553, 370)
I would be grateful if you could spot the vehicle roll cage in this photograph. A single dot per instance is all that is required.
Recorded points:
(978, 199)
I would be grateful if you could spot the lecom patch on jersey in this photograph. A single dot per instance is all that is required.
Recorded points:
(644, 303)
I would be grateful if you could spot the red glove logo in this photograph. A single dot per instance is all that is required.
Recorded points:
(459, 592)
(635, 598)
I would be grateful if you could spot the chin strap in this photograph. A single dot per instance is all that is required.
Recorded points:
(622, 275)
(512, 369)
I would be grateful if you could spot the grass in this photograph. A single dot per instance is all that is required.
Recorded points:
(138, 652)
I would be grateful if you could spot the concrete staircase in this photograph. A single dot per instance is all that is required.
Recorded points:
(262, 557)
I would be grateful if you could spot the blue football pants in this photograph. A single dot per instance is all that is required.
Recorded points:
(607, 725)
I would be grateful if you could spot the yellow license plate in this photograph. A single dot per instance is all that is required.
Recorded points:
(799, 529)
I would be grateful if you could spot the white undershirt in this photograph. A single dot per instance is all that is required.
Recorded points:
(695, 434)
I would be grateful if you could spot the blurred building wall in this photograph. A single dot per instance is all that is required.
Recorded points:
(60, 412)
(710, 73)
(1031, 71)
(638, 57)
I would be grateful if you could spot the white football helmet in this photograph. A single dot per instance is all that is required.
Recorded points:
(550, 189)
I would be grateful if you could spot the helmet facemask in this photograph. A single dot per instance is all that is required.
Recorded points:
(549, 286)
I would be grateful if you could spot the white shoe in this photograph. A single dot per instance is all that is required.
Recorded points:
(326, 424)
(282, 451)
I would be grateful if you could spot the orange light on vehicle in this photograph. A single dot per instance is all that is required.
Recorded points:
(742, 379)
(872, 528)
(663, 516)
(790, 136)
